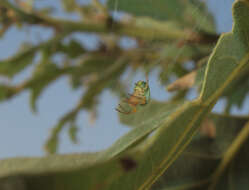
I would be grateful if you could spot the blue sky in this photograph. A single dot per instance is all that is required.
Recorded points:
(24, 133)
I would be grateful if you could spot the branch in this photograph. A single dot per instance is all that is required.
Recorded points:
(137, 28)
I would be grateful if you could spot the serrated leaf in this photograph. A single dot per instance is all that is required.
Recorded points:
(72, 132)
(51, 145)
(170, 52)
(101, 81)
(87, 101)
(44, 74)
(196, 13)
(6, 92)
(92, 66)
(17, 63)
(174, 61)
(73, 48)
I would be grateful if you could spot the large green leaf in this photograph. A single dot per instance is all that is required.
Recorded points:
(235, 94)
(232, 49)
(144, 114)
(238, 91)
(231, 52)
(202, 155)
(146, 120)
(124, 168)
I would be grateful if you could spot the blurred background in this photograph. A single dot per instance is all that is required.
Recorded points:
(24, 133)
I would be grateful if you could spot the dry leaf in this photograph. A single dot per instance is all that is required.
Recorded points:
(185, 82)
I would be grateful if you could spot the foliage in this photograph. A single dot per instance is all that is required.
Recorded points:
(165, 148)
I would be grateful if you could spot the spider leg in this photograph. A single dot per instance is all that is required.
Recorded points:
(120, 110)
(127, 112)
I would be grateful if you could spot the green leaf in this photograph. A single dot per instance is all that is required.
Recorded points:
(89, 67)
(144, 122)
(149, 114)
(184, 12)
(240, 141)
(17, 63)
(231, 53)
(123, 168)
(44, 74)
(69, 5)
(101, 81)
(72, 132)
(197, 15)
(6, 92)
(87, 101)
(79, 172)
(173, 62)
(13, 166)
(237, 92)
(73, 48)
(202, 155)
(52, 143)
(158, 9)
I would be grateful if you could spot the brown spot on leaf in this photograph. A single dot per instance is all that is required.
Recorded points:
(128, 163)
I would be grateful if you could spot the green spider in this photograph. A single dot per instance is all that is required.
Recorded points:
(140, 96)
